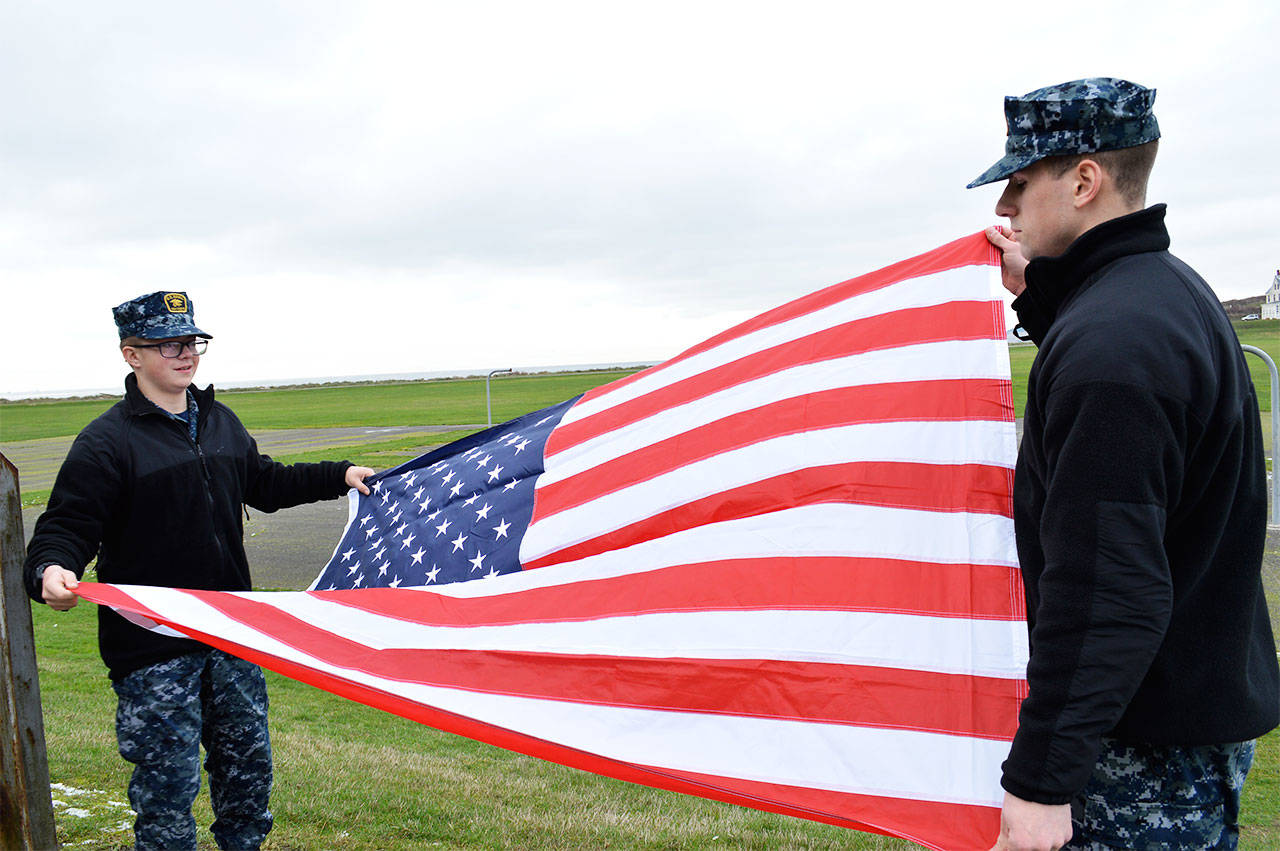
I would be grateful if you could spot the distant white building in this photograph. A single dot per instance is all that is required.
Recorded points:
(1271, 302)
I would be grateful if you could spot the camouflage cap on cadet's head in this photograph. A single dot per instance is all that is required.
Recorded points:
(1079, 117)
(157, 316)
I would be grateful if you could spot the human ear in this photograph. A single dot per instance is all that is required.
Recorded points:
(1088, 179)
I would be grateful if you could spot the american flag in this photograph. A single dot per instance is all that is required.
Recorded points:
(776, 570)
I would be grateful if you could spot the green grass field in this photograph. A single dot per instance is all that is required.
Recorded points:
(442, 402)
(1265, 336)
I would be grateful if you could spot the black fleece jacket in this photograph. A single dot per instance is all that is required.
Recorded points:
(1140, 513)
(158, 509)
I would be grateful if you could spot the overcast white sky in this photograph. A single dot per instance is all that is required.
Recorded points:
(350, 188)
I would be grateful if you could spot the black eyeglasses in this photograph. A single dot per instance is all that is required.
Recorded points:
(173, 348)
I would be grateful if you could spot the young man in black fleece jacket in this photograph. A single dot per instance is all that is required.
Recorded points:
(155, 488)
(1139, 498)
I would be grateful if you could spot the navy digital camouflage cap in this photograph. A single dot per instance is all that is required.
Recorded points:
(1079, 117)
(157, 316)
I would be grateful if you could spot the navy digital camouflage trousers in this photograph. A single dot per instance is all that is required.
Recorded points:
(1162, 797)
(166, 712)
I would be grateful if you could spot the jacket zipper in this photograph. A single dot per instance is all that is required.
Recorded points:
(208, 492)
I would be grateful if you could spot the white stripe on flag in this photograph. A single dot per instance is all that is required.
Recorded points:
(831, 529)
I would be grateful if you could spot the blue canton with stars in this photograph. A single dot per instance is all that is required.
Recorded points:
(454, 514)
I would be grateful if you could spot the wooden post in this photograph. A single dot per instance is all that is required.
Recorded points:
(26, 804)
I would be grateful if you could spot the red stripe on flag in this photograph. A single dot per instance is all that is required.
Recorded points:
(825, 583)
(974, 488)
(944, 400)
(965, 320)
(114, 596)
(967, 251)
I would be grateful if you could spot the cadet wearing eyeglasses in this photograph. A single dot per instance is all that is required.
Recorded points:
(155, 488)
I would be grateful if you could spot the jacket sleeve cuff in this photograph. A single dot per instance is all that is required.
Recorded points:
(1030, 793)
(35, 576)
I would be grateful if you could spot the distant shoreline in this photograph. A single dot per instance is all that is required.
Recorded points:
(327, 381)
